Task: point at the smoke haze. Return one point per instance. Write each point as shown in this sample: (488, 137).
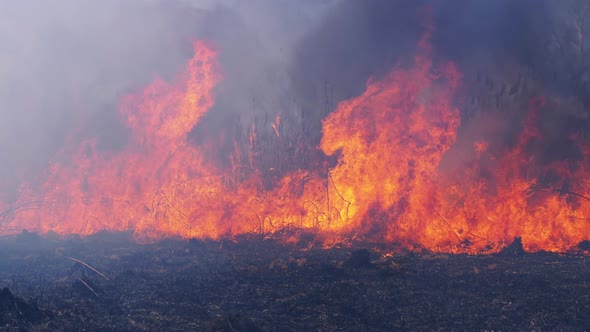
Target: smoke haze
(66, 64)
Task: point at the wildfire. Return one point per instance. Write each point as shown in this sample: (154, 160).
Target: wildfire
(387, 185)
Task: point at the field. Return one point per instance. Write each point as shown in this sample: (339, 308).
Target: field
(108, 282)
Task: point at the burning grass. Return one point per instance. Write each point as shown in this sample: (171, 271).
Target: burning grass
(378, 175)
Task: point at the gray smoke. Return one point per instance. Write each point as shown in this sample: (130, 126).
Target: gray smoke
(65, 64)
(509, 52)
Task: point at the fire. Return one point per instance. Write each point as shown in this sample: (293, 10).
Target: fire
(145, 186)
(392, 139)
(388, 185)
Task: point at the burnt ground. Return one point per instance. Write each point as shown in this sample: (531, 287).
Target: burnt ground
(261, 285)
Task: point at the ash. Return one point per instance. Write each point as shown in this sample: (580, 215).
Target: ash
(109, 282)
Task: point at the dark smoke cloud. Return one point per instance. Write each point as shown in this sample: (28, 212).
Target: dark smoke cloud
(509, 52)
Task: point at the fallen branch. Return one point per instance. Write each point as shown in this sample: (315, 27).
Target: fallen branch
(88, 286)
(88, 266)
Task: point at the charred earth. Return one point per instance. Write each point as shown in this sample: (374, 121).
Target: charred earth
(107, 282)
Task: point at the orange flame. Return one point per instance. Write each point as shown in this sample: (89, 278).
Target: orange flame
(386, 187)
(144, 186)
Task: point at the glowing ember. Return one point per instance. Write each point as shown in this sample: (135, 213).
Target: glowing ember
(387, 185)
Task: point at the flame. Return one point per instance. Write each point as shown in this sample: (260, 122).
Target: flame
(145, 186)
(388, 185)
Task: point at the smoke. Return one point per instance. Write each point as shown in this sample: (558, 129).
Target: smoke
(508, 51)
(257, 41)
(65, 65)
(67, 62)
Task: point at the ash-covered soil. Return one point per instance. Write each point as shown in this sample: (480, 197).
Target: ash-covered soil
(108, 282)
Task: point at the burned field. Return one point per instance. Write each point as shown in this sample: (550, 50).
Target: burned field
(106, 282)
